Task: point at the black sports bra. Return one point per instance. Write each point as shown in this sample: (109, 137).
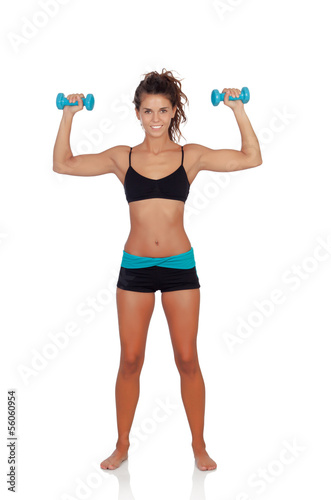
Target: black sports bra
(174, 186)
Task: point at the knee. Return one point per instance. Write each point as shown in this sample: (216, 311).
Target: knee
(187, 364)
(130, 365)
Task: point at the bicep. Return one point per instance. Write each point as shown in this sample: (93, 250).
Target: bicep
(225, 160)
(88, 164)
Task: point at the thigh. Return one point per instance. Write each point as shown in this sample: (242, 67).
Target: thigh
(134, 314)
(182, 308)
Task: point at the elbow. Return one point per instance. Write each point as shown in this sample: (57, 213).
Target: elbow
(259, 159)
(57, 167)
(257, 162)
(253, 160)
(62, 167)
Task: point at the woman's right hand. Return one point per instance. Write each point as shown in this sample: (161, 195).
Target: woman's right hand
(73, 109)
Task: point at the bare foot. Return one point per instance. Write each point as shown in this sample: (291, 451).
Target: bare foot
(203, 460)
(116, 458)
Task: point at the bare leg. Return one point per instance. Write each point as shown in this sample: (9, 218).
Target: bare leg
(134, 313)
(181, 308)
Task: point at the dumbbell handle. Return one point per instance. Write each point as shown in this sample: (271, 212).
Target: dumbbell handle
(217, 97)
(67, 103)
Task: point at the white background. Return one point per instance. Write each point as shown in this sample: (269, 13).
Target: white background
(61, 242)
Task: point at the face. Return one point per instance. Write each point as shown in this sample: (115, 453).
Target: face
(155, 114)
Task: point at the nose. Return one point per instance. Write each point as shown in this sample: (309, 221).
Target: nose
(155, 118)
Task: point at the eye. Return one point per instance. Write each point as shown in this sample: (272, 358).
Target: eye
(147, 111)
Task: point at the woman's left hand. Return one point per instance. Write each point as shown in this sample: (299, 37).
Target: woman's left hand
(233, 93)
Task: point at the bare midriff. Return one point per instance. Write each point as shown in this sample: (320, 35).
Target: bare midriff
(157, 228)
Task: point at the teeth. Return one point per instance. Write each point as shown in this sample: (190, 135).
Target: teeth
(159, 126)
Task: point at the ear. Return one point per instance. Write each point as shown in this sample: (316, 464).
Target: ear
(137, 114)
(174, 109)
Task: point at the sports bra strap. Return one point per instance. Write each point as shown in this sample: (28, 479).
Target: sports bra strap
(182, 156)
(130, 157)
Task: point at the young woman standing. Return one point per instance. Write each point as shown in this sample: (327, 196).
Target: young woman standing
(157, 175)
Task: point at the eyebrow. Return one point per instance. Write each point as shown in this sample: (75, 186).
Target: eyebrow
(164, 107)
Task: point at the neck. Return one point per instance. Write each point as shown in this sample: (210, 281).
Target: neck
(155, 145)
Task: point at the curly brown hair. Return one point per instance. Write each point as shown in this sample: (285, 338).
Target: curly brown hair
(166, 84)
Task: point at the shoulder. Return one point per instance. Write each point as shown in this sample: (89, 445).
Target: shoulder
(119, 156)
(193, 154)
(192, 147)
(118, 151)
(194, 150)
(192, 163)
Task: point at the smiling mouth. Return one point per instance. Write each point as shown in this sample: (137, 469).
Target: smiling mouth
(156, 127)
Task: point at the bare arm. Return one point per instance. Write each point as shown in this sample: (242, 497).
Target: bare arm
(89, 164)
(227, 160)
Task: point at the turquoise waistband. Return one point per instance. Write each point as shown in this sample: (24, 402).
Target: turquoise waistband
(180, 261)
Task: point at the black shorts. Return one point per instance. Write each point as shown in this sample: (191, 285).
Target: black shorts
(153, 278)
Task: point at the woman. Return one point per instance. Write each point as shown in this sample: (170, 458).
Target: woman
(157, 254)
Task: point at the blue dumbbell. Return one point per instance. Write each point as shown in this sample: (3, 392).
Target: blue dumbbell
(216, 97)
(62, 101)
